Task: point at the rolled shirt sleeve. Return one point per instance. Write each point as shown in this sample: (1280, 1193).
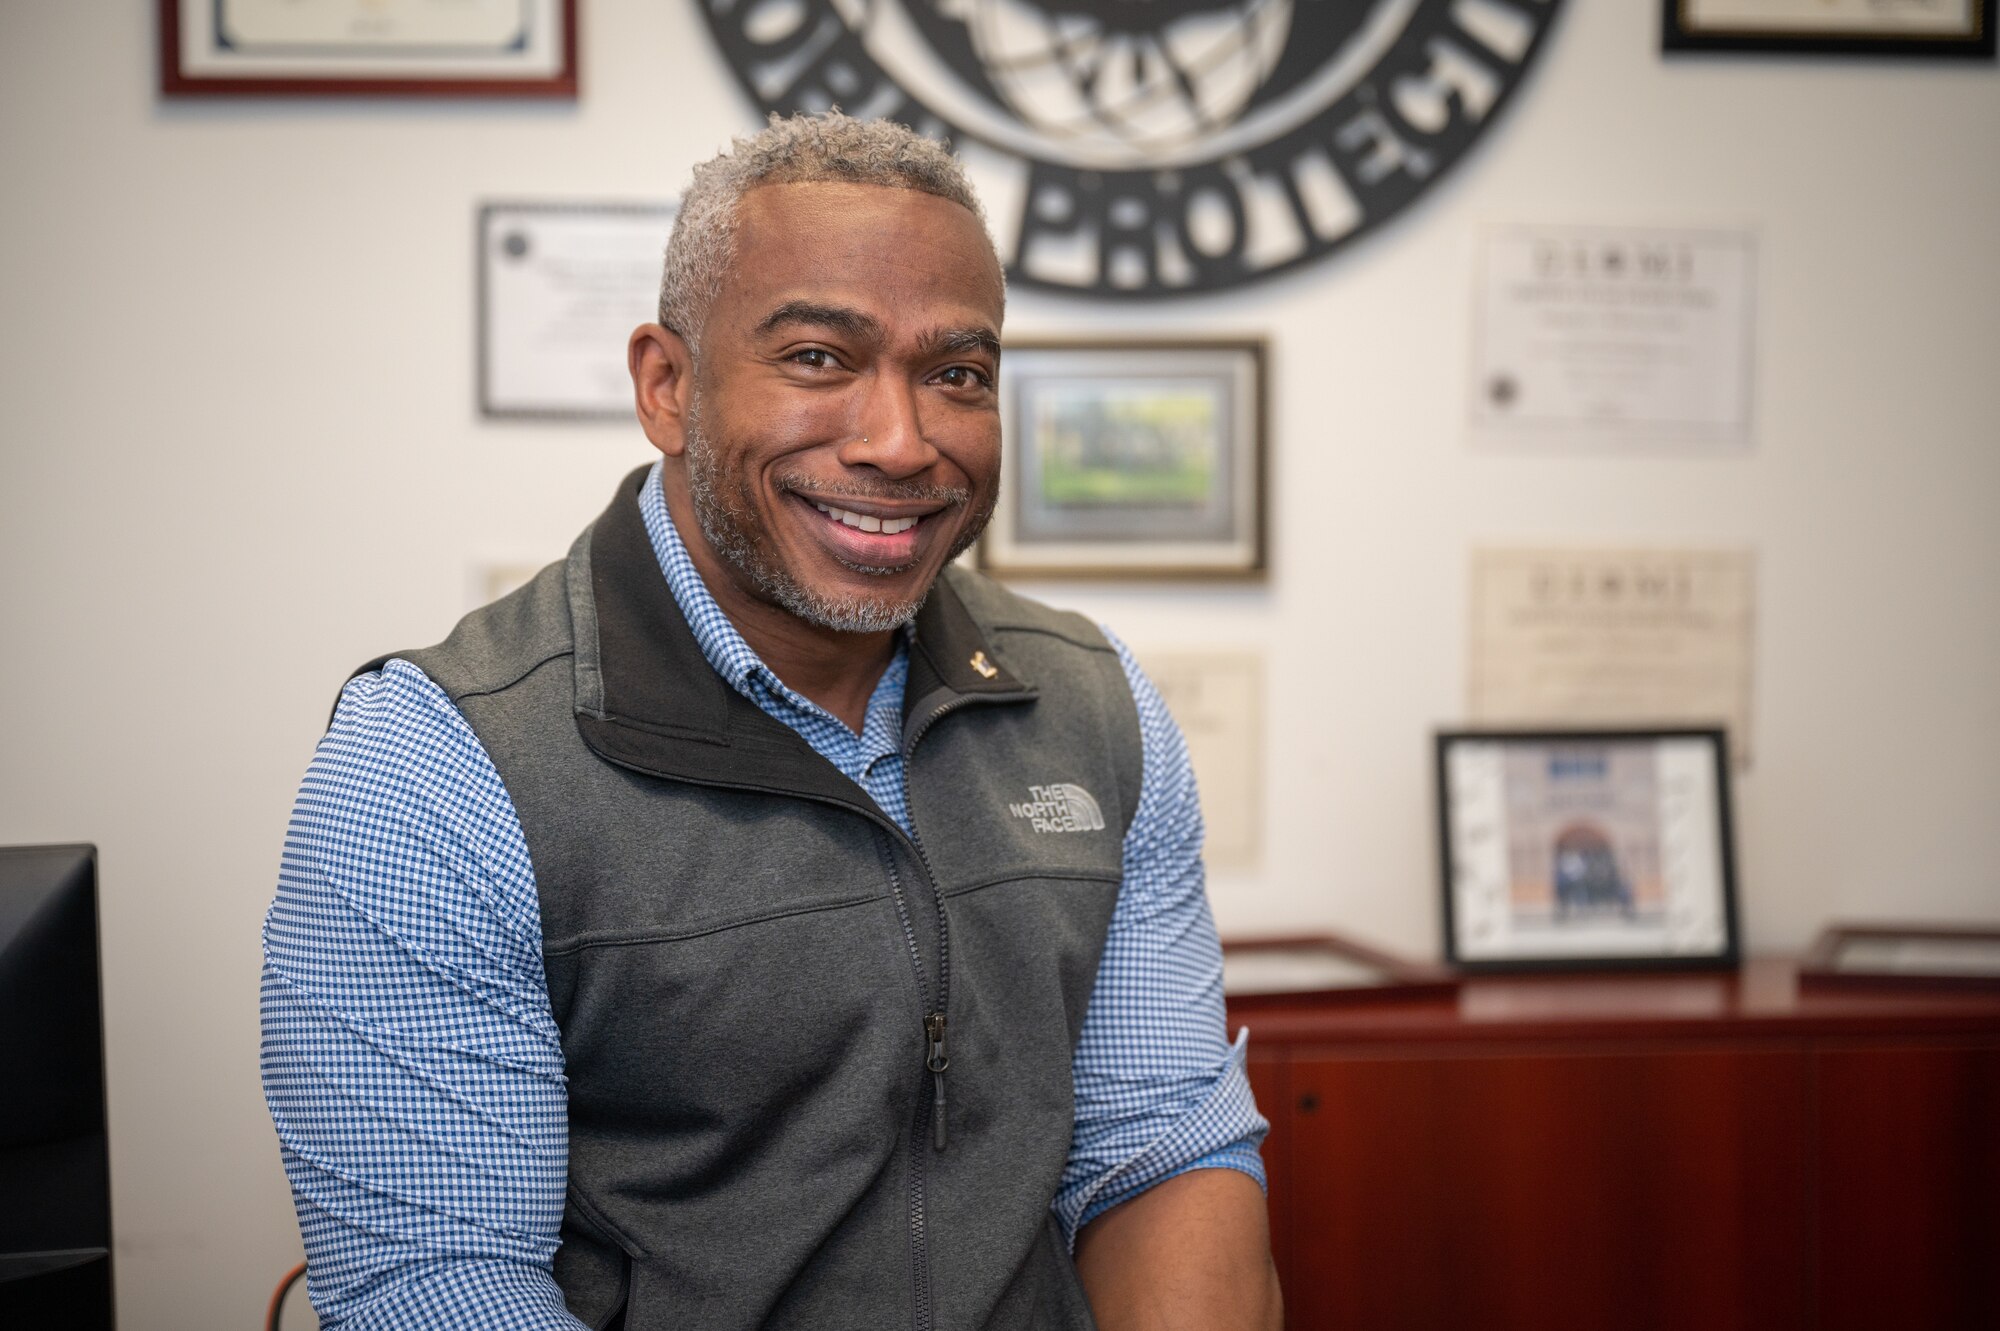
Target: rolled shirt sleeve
(1159, 1088)
(411, 1063)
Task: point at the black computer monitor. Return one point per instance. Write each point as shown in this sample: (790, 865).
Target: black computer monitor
(55, 1181)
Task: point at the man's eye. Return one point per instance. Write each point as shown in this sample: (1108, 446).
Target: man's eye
(814, 358)
(963, 376)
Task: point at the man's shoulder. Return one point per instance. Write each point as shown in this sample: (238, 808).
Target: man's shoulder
(999, 611)
(502, 642)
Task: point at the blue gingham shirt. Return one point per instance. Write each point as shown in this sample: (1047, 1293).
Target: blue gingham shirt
(415, 1073)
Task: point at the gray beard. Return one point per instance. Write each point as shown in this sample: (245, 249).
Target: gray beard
(728, 521)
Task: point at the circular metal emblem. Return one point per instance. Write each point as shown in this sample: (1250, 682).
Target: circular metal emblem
(1154, 147)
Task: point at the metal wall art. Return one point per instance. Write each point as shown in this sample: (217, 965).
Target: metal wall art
(1167, 147)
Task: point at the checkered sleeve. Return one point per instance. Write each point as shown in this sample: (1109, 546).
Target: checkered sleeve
(410, 1060)
(1159, 1088)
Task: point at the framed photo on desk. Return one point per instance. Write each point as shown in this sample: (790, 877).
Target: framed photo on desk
(1586, 850)
(399, 48)
(1914, 957)
(1324, 968)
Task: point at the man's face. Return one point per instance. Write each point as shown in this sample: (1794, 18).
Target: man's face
(843, 436)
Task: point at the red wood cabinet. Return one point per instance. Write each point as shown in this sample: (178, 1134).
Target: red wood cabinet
(1635, 1152)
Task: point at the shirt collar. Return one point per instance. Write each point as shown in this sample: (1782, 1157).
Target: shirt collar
(726, 651)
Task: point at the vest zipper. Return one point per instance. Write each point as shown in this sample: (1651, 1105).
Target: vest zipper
(935, 1061)
(934, 1023)
(920, 1256)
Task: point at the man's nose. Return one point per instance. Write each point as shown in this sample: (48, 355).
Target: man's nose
(889, 432)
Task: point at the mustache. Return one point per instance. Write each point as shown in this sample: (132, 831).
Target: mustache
(891, 491)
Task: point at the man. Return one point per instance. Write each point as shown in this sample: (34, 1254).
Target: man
(750, 923)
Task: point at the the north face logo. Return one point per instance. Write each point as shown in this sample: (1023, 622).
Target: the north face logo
(1060, 808)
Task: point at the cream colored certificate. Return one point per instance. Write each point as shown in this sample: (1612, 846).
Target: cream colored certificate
(1931, 18)
(1613, 339)
(492, 25)
(561, 287)
(1612, 637)
(1217, 698)
(447, 41)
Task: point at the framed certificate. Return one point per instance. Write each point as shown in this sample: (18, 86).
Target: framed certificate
(1620, 340)
(561, 287)
(1630, 636)
(1833, 27)
(1572, 850)
(436, 48)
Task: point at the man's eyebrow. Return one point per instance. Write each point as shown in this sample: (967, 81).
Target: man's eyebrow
(960, 342)
(838, 318)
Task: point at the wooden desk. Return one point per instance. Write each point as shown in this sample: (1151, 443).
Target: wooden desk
(1611, 1154)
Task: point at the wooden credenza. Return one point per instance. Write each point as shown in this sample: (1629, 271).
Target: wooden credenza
(1613, 1154)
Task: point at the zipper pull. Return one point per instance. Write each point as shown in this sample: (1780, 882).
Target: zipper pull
(937, 1063)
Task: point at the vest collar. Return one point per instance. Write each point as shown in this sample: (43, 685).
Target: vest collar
(646, 697)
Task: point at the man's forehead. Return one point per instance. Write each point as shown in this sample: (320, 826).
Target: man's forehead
(802, 248)
(781, 196)
(808, 210)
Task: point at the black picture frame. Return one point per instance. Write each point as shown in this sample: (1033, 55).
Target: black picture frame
(1641, 870)
(1683, 32)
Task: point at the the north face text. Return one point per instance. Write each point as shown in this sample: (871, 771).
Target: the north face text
(1060, 808)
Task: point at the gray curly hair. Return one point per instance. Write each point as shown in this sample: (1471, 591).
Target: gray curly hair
(790, 150)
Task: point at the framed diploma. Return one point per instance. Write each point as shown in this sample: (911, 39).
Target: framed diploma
(437, 48)
(1833, 27)
(561, 287)
(1613, 339)
(1613, 637)
(1572, 850)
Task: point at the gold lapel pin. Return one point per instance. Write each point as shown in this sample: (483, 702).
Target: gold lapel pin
(979, 663)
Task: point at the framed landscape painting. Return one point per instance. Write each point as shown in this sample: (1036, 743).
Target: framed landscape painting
(1130, 460)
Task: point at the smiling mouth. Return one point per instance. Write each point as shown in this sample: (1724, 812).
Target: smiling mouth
(868, 522)
(877, 544)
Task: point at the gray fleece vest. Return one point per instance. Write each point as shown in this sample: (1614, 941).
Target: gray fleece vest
(748, 960)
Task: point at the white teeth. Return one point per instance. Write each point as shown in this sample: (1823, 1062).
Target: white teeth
(867, 521)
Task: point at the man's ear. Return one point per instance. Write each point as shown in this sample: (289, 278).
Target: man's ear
(662, 384)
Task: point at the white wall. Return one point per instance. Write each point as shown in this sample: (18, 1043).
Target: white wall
(240, 456)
